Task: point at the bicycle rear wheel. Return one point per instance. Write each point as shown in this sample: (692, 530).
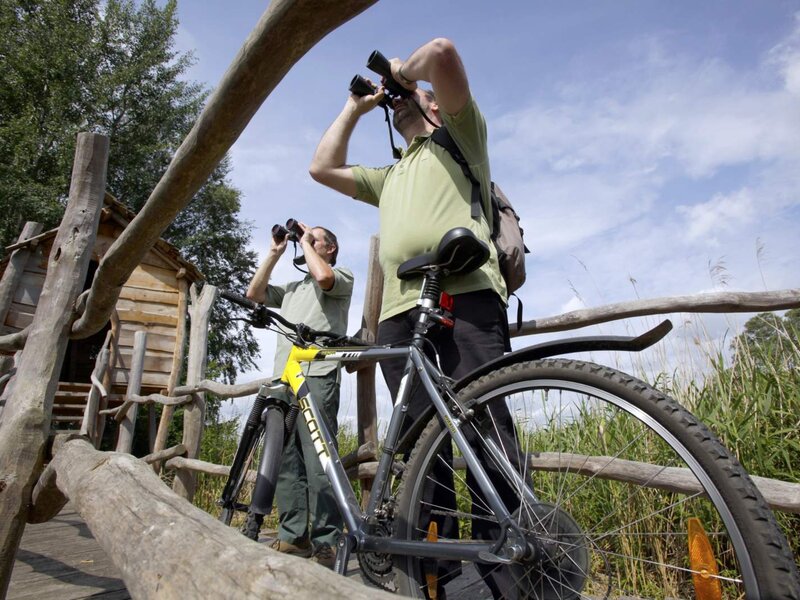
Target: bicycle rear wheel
(626, 481)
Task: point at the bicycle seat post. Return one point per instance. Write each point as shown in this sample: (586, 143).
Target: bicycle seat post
(428, 301)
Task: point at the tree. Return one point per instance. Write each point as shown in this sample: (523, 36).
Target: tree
(71, 65)
(771, 341)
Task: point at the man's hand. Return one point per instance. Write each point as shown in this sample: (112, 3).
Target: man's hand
(278, 247)
(361, 105)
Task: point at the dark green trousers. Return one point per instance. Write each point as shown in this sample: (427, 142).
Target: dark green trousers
(306, 505)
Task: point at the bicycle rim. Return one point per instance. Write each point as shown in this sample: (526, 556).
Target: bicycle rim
(621, 474)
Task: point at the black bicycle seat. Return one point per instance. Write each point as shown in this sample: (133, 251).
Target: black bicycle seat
(460, 252)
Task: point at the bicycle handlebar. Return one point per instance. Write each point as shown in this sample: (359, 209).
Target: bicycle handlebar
(265, 316)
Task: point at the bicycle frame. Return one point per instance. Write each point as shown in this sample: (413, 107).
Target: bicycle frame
(357, 521)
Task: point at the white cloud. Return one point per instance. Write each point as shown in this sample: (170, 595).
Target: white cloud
(722, 212)
(786, 56)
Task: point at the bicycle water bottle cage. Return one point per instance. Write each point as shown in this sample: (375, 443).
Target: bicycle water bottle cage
(459, 252)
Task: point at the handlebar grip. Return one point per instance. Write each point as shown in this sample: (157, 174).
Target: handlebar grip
(239, 299)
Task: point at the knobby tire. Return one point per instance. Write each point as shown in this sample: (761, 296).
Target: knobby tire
(604, 538)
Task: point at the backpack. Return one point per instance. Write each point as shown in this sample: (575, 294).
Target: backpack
(506, 232)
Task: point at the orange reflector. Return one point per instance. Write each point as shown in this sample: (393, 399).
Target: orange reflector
(432, 579)
(703, 563)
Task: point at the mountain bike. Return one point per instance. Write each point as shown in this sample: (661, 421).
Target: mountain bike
(609, 489)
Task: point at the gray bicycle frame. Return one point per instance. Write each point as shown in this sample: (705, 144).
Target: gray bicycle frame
(417, 366)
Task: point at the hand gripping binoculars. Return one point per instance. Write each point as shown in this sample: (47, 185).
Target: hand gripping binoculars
(292, 231)
(378, 63)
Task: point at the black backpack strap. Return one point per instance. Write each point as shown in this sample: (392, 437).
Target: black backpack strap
(442, 137)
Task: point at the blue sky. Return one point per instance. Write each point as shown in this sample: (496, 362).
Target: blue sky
(642, 142)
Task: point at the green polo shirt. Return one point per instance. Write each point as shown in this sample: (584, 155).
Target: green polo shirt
(422, 197)
(305, 302)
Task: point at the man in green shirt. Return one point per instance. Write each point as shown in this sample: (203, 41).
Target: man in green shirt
(309, 520)
(420, 198)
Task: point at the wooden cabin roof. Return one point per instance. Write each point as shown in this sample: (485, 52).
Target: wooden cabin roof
(115, 210)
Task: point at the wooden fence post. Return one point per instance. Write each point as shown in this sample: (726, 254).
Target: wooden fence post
(365, 378)
(194, 414)
(175, 374)
(126, 426)
(101, 365)
(26, 419)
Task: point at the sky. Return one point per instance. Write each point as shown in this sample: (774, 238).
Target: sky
(651, 148)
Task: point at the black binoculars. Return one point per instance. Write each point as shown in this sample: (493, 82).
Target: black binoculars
(379, 64)
(292, 231)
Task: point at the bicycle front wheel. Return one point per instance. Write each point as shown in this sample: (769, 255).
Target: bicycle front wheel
(632, 496)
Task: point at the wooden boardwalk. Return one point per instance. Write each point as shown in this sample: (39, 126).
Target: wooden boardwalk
(60, 559)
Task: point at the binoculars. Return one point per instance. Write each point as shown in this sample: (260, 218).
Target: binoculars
(292, 231)
(378, 63)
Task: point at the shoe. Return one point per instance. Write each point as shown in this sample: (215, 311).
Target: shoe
(303, 549)
(324, 555)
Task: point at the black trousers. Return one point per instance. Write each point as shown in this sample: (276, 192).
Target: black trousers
(480, 334)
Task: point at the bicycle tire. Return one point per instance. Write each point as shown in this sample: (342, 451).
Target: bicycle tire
(270, 463)
(238, 476)
(604, 537)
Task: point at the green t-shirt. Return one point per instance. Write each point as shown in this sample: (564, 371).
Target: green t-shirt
(422, 197)
(305, 302)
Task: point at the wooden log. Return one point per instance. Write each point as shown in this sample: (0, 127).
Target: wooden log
(780, 495)
(26, 417)
(108, 378)
(195, 413)
(167, 548)
(223, 390)
(16, 267)
(720, 302)
(364, 453)
(128, 410)
(165, 454)
(88, 427)
(14, 341)
(286, 31)
(47, 500)
(177, 369)
(367, 413)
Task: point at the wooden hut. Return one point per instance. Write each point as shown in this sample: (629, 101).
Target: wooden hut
(153, 299)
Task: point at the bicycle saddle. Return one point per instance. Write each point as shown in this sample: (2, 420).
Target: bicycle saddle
(460, 252)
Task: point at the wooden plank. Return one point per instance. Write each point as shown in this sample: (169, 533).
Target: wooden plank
(161, 364)
(150, 328)
(136, 316)
(29, 288)
(142, 295)
(155, 342)
(153, 278)
(19, 316)
(154, 308)
(149, 378)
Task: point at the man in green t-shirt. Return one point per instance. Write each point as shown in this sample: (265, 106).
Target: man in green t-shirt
(309, 519)
(419, 199)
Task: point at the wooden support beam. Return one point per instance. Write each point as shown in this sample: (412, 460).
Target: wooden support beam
(165, 454)
(165, 547)
(367, 417)
(178, 354)
(88, 427)
(26, 418)
(195, 413)
(285, 32)
(720, 302)
(127, 417)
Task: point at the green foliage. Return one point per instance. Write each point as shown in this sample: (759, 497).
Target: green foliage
(75, 65)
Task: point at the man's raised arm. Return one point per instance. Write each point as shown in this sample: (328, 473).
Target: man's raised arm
(329, 165)
(437, 62)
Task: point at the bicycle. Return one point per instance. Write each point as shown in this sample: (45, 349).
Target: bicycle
(616, 490)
